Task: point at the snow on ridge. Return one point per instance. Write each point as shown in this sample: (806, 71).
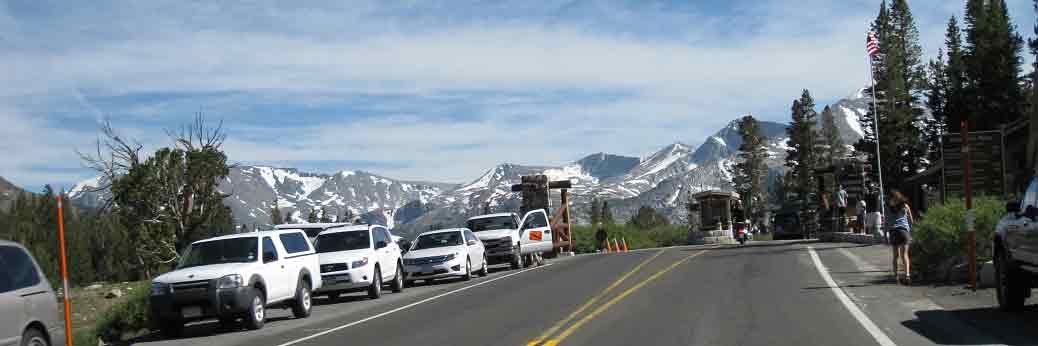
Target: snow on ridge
(84, 185)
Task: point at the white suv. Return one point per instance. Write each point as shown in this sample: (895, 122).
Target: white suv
(358, 258)
(237, 276)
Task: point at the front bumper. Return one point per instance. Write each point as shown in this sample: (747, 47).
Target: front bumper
(201, 302)
(452, 268)
(347, 279)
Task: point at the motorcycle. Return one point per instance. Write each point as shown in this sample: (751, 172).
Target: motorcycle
(741, 233)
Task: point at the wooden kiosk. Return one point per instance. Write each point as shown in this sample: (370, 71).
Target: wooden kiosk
(715, 217)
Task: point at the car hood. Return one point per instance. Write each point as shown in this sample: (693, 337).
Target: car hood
(439, 251)
(344, 256)
(494, 234)
(208, 272)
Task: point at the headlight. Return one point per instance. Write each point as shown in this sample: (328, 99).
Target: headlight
(159, 288)
(229, 281)
(451, 256)
(357, 264)
(408, 261)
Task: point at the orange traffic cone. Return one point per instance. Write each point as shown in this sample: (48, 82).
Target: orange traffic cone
(616, 245)
(625, 243)
(609, 247)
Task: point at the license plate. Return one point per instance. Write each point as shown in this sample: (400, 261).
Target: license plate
(191, 311)
(341, 278)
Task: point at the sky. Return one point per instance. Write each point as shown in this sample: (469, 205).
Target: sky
(420, 90)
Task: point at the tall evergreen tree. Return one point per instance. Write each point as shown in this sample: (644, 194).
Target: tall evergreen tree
(346, 215)
(325, 217)
(800, 157)
(312, 216)
(993, 65)
(900, 80)
(647, 218)
(275, 214)
(607, 215)
(752, 171)
(596, 212)
(833, 144)
(956, 100)
(937, 101)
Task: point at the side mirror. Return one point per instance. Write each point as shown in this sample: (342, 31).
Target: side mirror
(269, 257)
(472, 242)
(1013, 207)
(381, 244)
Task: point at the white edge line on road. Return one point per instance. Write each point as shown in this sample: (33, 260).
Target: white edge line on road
(864, 320)
(408, 306)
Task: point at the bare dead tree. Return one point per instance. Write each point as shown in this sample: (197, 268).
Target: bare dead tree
(113, 156)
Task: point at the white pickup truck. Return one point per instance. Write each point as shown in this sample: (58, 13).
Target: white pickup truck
(509, 239)
(237, 276)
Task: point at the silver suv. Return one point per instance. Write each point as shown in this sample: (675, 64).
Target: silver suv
(29, 312)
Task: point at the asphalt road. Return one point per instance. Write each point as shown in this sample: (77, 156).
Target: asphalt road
(769, 294)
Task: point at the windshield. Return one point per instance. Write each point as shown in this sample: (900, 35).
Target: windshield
(234, 250)
(492, 223)
(429, 241)
(343, 241)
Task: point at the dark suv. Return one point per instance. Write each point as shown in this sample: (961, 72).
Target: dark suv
(1016, 250)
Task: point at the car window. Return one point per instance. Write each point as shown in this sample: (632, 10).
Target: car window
(469, 236)
(385, 234)
(295, 242)
(269, 250)
(434, 240)
(343, 241)
(18, 271)
(233, 250)
(379, 236)
(1031, 196)
(536, 220)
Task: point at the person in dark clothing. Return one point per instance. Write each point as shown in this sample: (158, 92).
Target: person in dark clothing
(600, 236)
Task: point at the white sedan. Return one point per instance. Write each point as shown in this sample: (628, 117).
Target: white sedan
(445, 253)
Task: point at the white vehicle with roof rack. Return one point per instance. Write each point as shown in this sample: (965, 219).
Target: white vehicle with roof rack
(359, 258)
(237, 276)
(445, 253)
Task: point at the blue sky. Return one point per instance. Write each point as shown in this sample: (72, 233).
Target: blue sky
(420, 90)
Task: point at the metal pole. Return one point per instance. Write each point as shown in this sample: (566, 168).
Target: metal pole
(879, 163)
(971, 234)
(66, 294)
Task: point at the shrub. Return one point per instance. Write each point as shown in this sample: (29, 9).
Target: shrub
(939, 236)
(127, 318)
(636, 238)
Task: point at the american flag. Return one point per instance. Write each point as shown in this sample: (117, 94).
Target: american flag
(872, 46)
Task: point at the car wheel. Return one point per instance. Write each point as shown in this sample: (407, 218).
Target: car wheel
(375, 291)
(485, 271)
(539, 258)
(171, 329)
(517, 258)
(468, 270)
(398, 280)
(1011, 289)
(527, 261)
(34, 337)
(257, 314)
(303, 302)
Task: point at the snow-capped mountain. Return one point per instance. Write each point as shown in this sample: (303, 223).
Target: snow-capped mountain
(253, 190)
(847, 111)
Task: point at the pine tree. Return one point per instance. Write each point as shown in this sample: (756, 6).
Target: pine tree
(956, 99)
(900, 79)
(937, 101)
(346, 216)
(596, 212)
(801, 157)
(647, 218)
(993, 65)
(607, 215)
(312, 216)
(834, 147)
(325, 217)
(752, 171)
(275, 214)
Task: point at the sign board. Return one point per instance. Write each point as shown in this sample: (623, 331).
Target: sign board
(987, 168)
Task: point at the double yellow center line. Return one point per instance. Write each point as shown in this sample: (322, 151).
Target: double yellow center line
(543, 339)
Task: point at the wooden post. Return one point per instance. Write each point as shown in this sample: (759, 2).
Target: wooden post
(567, 221)
(971, 234)
(66, 294)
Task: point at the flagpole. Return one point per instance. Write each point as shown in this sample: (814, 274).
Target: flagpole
(875, 124)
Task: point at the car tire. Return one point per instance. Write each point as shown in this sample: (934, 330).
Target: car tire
(517, 258)
(34, 337)
(527, 261)
(375, 290)
(1010, 286)
(257, 314)
(539, 259)
(303, 303)
(468, 270)
(171, 329)
(484, 271)
(398, 280)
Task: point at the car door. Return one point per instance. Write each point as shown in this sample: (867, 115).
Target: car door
(476, 249)
(381, 241)
(12, 312)
(274, 271)
(392, 251)
(1023, 233)
(535, 232)
(24, 294)
(297, 252)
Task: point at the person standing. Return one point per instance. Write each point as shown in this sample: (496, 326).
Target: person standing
(841, 207)
(901, 234)
(861, 215)
(600, 237)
